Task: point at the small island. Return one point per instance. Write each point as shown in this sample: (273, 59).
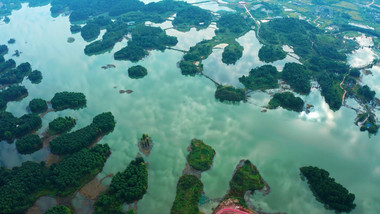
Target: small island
(61, 125)
(271, 53)
(201, 155)
(12, 93)
(229, 94)
(90, 31)
(68, 100)
(16, 75)
(3, 50)
(38, 106)
(11, 41)
(75, 28)
(286, 100)
(261, 78)
(35, 77)
(28, 144)
(327, 191)
(12, 127)
(137, 72)
(127, 186)
(145, 144)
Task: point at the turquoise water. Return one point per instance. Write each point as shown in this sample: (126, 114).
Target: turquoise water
(173, 109)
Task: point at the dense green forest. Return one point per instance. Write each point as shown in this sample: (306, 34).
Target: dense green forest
(6, 65)
(3, 50)
(189, 189)
(201, 155)
(12, 127)
(321, 53)
(246, 178)
(59, 209)
(65, 100)
(35, 76)
(137, 72)
(229, 93)
(28, 144)
(261, 78)
(286, 100)
(16, 75)
(21, 186)
(189, 68)
(127, 186)
(232, 53)
(38, 105)
(332, 194)
(68, 143)
(192, 17)
(365, 94)
(145, 38)
(297, 77)
(12, 93)
(271, 53)
(61, 125)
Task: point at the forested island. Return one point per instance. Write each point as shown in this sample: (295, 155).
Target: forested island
(201, 155)
(332, 194)
(127, 186)
(38, 105)
(65, 100)
(61, 125)
(192, 17)
(188, 194)
(230, 94)
(12, 127)
(137, 72)
(286, 100)
(261, 78)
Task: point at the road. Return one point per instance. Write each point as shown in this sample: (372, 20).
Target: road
(257, 22)
(373, 2)
(341, 86)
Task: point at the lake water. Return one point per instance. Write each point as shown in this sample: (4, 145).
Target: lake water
(174, 108)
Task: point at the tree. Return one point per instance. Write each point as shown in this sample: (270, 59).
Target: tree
(38, 106)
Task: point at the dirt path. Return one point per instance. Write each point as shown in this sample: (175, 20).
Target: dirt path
(341, 86)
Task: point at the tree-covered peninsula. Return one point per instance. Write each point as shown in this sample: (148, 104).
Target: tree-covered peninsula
(192, 17)
(189, 189)
(327, 191)
(21, 186)
(12, 93)
(12, 127)
(28, 144)
(271, 53)
(68, 143)
(127, 186)
(61, 125)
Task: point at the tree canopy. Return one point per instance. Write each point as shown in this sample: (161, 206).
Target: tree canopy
(286, 100)
(65, 100)
(201, 155)
(264, 77)
(188, 194)
(137, 72)
(28, 144)
(327, 190)
(38, 106)
(229, 93)
(297, 77)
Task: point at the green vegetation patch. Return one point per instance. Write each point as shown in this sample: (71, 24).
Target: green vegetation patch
(137, 72)
(61, 125)
(192, 16)
(286, 100)
(60, 209)
(126, 187)
(38, 105)
(65, 100)
(229, 93)
(365, 94)
(12, 127)
(261, 78)
(297, 77)
(35, 76)
(16, 75)
(12, 93)
(3, 50)
(246, 178)
(201, 155)
(332, 194)
(6, 65)
(28, 144)
(145, 38)
(271, 53)
(232, 53)
(90, 31)
(189, 189)
(189, 68)
(102, 124)
(21, 186)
